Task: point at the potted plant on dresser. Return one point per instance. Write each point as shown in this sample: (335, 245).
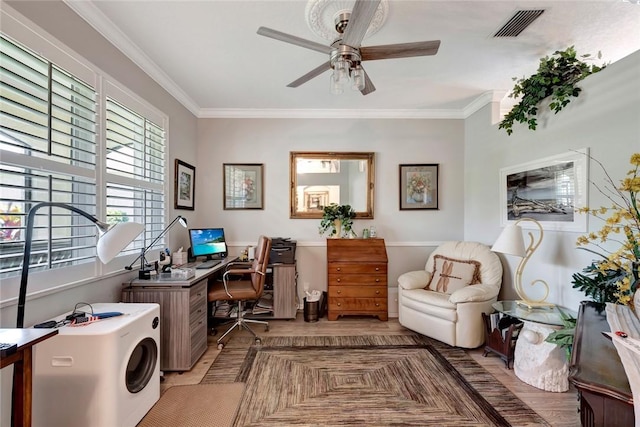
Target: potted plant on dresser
(337, 219)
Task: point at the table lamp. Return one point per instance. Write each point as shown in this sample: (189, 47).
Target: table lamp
(144, 272)
(511, 242)
(112, 239)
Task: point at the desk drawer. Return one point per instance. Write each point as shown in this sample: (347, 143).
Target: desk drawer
(358, 291)
(357, 268)
(198, 296)
(357, 304)
(337, 279)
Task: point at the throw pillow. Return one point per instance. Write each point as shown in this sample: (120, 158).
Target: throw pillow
(450, 274)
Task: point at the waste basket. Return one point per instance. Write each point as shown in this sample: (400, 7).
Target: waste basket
(311, 310)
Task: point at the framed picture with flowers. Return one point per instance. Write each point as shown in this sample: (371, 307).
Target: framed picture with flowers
(418, 186)
(243, 186)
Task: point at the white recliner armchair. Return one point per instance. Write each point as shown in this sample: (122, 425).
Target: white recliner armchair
(445, 301)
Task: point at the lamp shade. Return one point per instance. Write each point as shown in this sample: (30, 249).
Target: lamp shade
(510, 241)
(116, 239)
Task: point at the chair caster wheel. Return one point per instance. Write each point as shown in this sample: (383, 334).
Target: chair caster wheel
(258, 341)
(220, 346)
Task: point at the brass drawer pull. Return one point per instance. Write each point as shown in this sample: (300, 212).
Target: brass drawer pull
(377, 304)
(338, 280)
(377, 280)
(338, 269)
(339, 304)
(377, 292)
(377, 268)
(339, 292)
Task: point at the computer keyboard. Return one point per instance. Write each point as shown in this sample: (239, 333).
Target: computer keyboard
(208, 264)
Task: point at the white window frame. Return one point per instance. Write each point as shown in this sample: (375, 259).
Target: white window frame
(30, 35)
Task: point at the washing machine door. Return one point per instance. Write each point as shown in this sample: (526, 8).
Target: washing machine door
(141, 365)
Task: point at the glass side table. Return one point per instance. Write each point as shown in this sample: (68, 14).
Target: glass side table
(537, 362)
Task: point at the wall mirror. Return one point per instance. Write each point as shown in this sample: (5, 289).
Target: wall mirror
(320, 178)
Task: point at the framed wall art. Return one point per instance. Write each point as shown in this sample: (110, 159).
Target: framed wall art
(185, 186)
(243, 186)
(418, 186)
(548, 190)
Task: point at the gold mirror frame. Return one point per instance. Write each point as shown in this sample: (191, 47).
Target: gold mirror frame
(319, 199)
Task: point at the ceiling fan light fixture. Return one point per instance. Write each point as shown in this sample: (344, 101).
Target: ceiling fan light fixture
(342, 69)
(357, 78)
(336, 85)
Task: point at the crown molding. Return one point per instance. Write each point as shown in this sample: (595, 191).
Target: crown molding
(311, 113)
(485, 98)
(94, 17)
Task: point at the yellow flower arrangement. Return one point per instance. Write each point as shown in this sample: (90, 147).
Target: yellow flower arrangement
(618, 269)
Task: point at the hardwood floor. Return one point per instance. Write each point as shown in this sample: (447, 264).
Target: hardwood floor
(559, 409)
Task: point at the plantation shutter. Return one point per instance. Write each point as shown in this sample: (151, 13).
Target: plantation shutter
(48, 125)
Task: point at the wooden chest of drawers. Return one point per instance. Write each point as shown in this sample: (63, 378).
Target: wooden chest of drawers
(357, 278)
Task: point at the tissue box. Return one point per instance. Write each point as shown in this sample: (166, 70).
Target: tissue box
(179, 258)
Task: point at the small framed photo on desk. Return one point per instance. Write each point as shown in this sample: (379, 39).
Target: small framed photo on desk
(243, 186)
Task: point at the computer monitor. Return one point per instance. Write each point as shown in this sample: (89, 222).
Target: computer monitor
(208, 242)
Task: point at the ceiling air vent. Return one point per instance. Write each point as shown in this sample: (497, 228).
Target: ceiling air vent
(521, 20)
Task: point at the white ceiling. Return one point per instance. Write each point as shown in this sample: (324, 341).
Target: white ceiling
(207, 53)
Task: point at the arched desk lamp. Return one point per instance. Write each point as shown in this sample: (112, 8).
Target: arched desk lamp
(111, 240)
(144, 273)
(511, 242)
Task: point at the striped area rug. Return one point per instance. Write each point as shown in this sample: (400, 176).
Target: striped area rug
(389, 380)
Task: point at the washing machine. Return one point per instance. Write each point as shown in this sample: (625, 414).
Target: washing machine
(103, 374)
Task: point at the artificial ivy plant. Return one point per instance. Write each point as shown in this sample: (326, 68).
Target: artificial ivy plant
(556, 77)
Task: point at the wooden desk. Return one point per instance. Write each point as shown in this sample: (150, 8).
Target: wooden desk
(183, 314)
(22, 369)
(597, 372)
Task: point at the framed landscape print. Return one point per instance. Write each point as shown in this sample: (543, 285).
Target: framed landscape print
(185, 186)
(548, 190)
(418, 186)
(243, 186)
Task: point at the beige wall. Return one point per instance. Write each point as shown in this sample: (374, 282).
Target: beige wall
(407, 234)
(605, 118)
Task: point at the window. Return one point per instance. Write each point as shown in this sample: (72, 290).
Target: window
(53, 149)
(134, 171)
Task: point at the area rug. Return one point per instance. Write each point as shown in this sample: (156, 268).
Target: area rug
(195, 406)
(389, 380)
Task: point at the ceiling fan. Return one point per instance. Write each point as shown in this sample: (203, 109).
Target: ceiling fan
(346, 54)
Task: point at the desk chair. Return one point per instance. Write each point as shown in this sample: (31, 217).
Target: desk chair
(248, 287)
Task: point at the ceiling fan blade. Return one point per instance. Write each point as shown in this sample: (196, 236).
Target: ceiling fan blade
(311, 74)
(400, 50)
(359, 21)
(298, 41)
(368, 84)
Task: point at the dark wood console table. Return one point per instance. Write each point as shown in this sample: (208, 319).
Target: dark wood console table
(597, 372)
(21, 360)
